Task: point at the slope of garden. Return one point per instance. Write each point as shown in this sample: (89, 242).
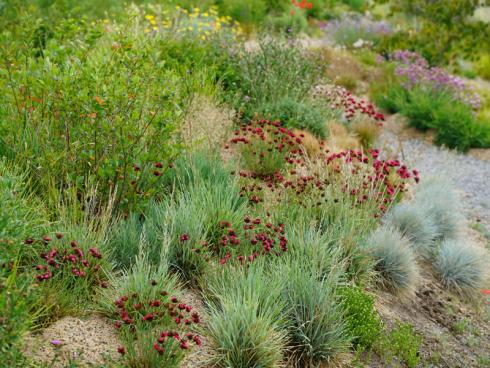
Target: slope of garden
(244, 184)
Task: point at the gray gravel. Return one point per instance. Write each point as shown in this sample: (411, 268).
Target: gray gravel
(469, 175)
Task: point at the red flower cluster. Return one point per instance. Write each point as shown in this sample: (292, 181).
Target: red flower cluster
(303, 4)
(72, 259)
(341, 98)
(259, 238)
(385, 177)
(267, 147)
(133, 309)
(168, 338)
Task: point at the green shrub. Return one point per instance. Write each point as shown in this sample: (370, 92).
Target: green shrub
(403, 343)
(245, 322)
(104, 129)
(250, 12)
(483, 66)
(363, 323)
(274, 70)
(297, 115)
(315, 318)
(462, 266)
(394, 259)
(445, 31)
(294, 23)
(453, 121)
(415, 225)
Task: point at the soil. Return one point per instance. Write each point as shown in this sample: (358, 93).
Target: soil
(456, 333)
(89, 342)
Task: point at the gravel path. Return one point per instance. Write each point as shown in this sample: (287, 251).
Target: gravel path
(469, 175)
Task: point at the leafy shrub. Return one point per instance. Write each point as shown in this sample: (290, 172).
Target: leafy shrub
(297, 115)
(245, 322)
(461, 266)
(394, 259)
(453, 121)
(415, 225)
(274, 70)
(363, 323)
(445, 31)
(483, 66)
(315, 318)
(439, 203)
(293, 22)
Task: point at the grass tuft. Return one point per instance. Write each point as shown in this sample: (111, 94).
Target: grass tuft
(414, 224)
(461, 266)
(395, 260)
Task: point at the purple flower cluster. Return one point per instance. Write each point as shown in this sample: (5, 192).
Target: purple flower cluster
(417, 72)
(348, 30)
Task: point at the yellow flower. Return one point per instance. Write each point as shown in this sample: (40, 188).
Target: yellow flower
(150, 17)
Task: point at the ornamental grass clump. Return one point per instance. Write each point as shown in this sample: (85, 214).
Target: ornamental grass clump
(416, 225)
(437, 201)
(246, 318)
(462, 266)
(395, 260)
(315, 318)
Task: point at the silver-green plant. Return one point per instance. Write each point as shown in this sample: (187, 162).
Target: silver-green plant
(462, 266)
(246, 317)
(416, 226)
(315, 315)
(395, 260)
(438, 201)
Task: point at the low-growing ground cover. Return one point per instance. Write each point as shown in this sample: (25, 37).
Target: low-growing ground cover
(211, 198)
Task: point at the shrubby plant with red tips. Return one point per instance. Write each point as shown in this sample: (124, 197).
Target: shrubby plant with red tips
(267, 148)
(352, 107)
(63, 262)
(155, 324)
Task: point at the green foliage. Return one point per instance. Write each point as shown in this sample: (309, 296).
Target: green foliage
(453, 121)
(142, 284)
(21, 304)
(245, 317)
(462, 266)
(206, 194)
(315, 318)
(444, 31)
(483, 66)
(292, 23)
(297, 115)
(277, 69)
(403, 343)
(395, 260)
(363, 323)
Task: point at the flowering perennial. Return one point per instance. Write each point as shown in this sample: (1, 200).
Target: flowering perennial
(73, 260)
(340, 98)
(417, 72)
